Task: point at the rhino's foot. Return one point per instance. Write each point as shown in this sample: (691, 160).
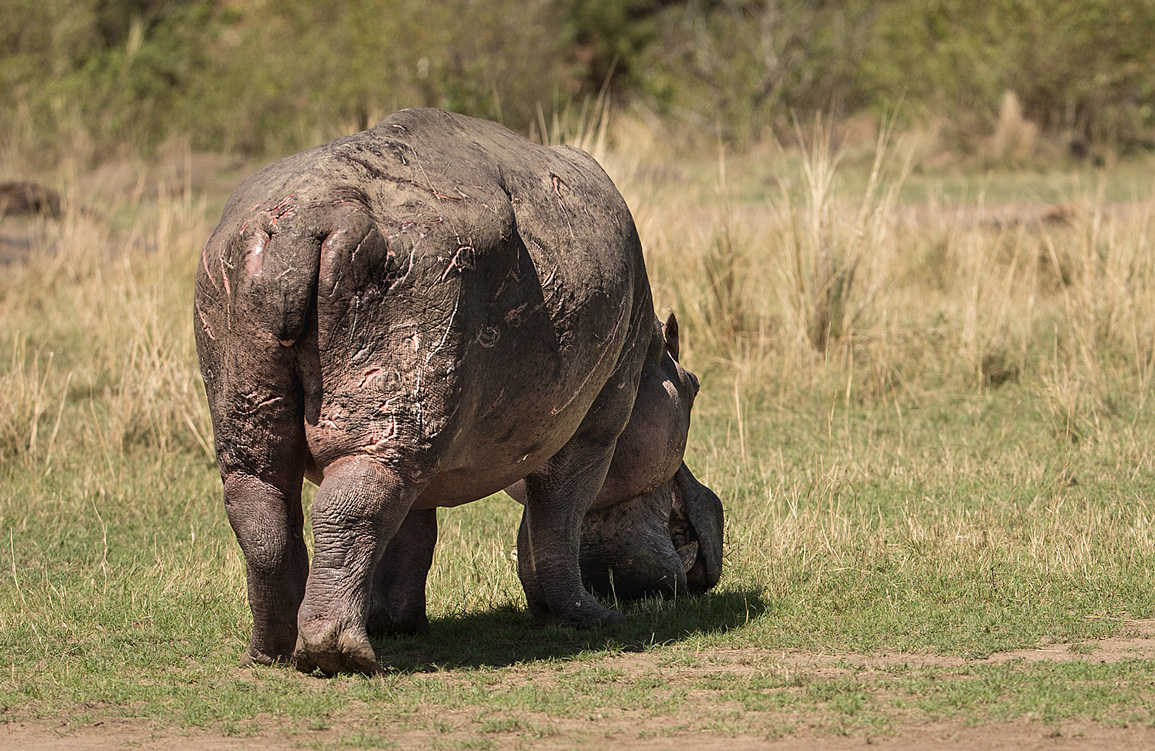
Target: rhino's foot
(271, 645)
(587, 614)
(333, 649)
(252, 657)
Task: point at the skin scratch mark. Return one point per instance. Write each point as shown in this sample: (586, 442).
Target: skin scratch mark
(378, 439)
(225, 276)
(462, 259)
(356, 250)
(557, 183)
(408, 270)
(353, 325)
(252, 406)
(286, 209)
(514, 275)
(204, 322)
(398, 180)
(418, 407)
(605, 349)
(205, 265)
(514, 316)
(329, 419)
(445, 336)
(488, 336)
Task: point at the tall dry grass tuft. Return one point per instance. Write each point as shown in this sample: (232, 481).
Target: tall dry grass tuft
(100, 356)
(779, 288)
(32, 407)
(586, 126)
(836, 248)
(793, 267)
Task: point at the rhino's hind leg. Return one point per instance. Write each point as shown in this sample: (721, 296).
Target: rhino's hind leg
(397, 605)
(266, 517)
(262, 453)
(358, 508)
(548, 542)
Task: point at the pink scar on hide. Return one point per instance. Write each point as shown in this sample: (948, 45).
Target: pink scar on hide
(488, 336)
(254, 257)
(369, 374)
(283, 210)
(378, 438)
(462, 259)
(205, 265)
(204, 322)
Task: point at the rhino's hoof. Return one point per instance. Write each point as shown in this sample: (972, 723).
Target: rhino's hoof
(333, 650)
(586, 618)
(252, 657)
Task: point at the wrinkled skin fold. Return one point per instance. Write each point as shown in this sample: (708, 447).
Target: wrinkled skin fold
(666, 543)
(416, 317)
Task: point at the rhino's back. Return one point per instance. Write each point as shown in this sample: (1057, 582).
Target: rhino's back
(499, 287)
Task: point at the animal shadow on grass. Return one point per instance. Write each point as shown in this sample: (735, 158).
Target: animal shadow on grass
(506, 636)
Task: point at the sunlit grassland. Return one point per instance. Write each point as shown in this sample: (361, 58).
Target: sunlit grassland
(931, 432)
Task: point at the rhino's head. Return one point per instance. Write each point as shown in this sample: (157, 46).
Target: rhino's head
(654, 529)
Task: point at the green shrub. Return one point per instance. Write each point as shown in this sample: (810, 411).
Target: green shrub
(274, 77)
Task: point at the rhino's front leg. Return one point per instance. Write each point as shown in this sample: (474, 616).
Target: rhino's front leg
(358, 508)
(398, 600)
(549, 540)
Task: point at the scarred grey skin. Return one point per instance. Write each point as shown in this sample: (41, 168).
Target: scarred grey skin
(421, 315)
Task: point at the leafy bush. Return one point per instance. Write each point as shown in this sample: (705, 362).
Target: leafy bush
(272, 77)
(1085, 68)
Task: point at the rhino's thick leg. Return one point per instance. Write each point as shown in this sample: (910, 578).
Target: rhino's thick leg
(397, 605)
(265, 513)
(548, 542)
(261, 451)
(358, 508)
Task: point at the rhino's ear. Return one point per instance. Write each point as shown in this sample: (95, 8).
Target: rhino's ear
(670, 332)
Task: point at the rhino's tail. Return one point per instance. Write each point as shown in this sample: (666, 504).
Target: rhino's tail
(288, 285)
(274, 260)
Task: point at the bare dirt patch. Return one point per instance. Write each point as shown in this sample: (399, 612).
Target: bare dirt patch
(1136, 642)
(1019, 736)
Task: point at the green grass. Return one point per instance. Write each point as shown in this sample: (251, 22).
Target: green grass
(125, 595)
(883, 497)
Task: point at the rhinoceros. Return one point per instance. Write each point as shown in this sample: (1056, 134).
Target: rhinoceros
(419, 316)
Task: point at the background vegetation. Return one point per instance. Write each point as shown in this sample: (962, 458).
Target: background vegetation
(93, 75)
(926, 395)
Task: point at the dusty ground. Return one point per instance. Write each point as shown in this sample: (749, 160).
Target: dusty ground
(625, 730)
(1020, 736)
